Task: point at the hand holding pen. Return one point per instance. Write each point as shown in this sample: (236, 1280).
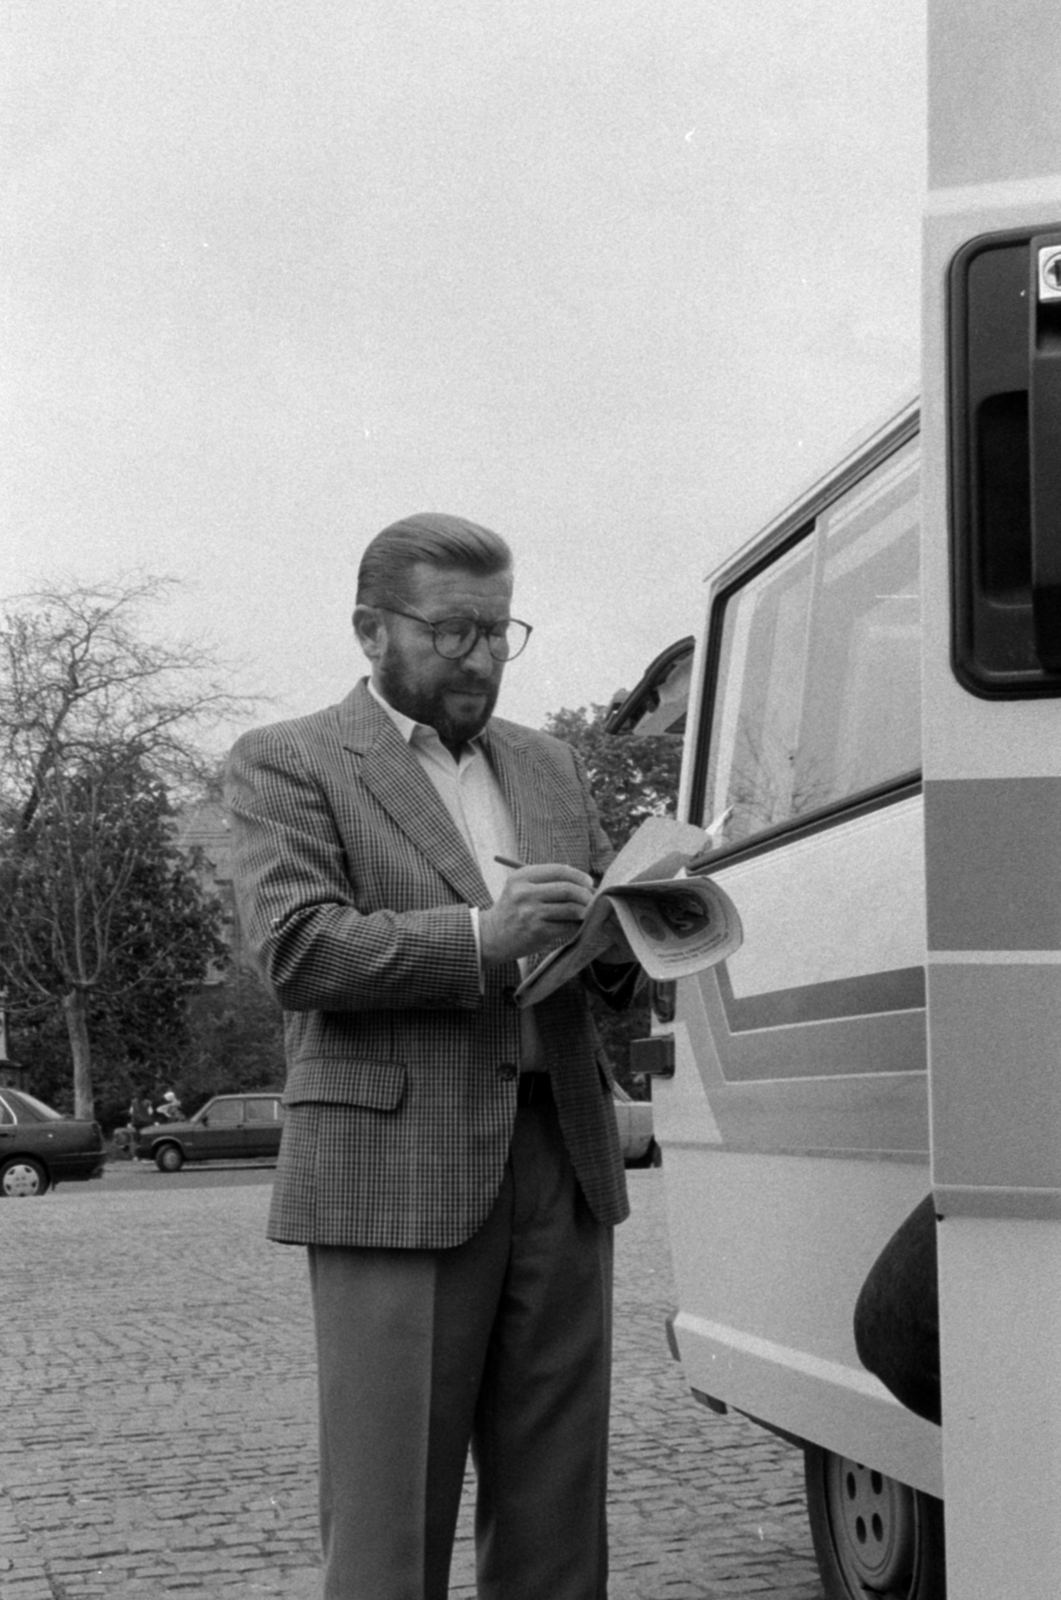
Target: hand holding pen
(540, 906)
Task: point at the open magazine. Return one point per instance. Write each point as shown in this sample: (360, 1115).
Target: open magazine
(674, 924)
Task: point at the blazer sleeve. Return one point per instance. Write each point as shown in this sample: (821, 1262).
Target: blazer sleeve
(297, 900)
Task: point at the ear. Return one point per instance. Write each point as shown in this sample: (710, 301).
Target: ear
(370, 630)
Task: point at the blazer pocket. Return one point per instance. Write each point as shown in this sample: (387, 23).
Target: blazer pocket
(379, 1085)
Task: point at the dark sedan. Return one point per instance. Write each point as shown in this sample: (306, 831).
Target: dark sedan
(230, 1127)
(40, 1148)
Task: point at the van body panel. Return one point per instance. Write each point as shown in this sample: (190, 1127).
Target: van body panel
(873, 1114)
(770, 1252)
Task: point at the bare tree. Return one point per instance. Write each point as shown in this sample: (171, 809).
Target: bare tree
(94, 713)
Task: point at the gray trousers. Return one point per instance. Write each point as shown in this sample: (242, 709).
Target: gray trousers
(503, 1343)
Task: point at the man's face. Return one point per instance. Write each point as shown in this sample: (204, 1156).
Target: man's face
(456, 698)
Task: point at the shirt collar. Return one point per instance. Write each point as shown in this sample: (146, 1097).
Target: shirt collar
(406, 726)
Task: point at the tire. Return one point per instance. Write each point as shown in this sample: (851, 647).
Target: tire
(22, 1177)
(169, 1158)
(872, 1535)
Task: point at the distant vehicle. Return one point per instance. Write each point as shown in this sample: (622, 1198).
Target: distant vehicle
(230, 1127)
(634, 1121)
(39, 1147)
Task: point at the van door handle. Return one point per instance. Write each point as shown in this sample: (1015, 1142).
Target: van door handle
(1044, 405)
(1004, 401)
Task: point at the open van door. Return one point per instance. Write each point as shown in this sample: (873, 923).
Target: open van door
(991, 448)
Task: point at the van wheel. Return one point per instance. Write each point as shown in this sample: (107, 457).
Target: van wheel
(872, 1535)
(169, 1158)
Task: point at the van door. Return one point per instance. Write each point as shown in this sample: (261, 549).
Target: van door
(797, 1120)
(992, 752)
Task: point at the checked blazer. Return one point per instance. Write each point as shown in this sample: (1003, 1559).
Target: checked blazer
(352, 886)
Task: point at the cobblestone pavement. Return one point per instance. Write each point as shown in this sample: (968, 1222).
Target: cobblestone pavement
(157, 1390)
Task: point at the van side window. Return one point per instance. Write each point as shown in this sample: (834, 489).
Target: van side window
(818, 689)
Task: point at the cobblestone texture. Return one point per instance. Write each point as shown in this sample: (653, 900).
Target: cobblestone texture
(159, 1435)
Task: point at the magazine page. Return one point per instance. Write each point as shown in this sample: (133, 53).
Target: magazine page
(597, 933)
(678, 927)
(699, 927)
(659, 849)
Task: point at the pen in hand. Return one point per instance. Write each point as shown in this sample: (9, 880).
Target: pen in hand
(508, 861)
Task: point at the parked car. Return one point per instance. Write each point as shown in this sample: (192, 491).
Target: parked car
(230, 1127)
(634, 1121)
(40, 1147)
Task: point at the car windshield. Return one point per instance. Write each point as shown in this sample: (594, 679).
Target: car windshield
(29, 1109)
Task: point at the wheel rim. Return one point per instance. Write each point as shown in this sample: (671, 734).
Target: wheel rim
(21, 1180)
(874, 1523)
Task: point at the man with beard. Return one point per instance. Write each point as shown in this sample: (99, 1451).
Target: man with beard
(451, 1161)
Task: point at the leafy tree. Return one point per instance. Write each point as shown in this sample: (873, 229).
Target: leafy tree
(97, 722)
(236, 1041)
(632, 777)
(106, 918)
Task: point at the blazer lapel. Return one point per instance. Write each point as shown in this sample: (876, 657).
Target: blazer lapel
(388, 767)
(520, 778)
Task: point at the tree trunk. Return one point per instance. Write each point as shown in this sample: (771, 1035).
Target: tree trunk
(80, 1051)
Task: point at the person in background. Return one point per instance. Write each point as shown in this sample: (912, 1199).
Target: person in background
(169, 1107)
(140, 1112)
(451, 1161)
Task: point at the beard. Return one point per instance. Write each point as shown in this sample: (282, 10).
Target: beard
(428, 704)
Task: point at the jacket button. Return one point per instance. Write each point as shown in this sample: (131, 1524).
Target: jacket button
(507, 1071)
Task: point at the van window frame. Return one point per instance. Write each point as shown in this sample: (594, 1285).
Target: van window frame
(800, 524)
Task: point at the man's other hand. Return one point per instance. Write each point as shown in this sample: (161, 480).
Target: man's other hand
(539, 907)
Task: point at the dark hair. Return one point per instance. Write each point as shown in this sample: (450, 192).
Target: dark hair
(432, 536)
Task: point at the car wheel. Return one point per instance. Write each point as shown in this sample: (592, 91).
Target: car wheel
(872, 1535)
(169, 1158)
(22, 1176)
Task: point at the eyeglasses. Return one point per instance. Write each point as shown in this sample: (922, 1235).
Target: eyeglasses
(456, 637)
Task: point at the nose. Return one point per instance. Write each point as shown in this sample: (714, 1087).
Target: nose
(479, 658)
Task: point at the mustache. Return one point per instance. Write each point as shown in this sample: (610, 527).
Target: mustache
(471, 680)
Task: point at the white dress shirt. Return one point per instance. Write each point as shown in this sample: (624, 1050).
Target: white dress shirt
(471, 794)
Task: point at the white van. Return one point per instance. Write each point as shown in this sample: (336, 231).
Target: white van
(873, 735)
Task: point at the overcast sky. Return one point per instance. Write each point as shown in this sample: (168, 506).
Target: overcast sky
(613, 278)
